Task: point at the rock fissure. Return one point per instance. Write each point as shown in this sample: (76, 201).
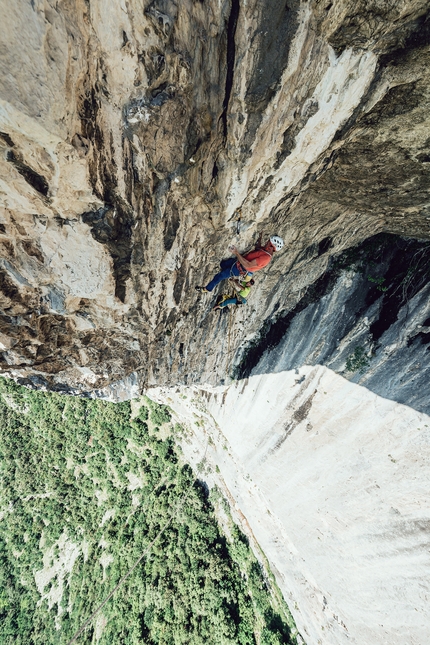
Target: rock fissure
(230, 60)
(36, 181)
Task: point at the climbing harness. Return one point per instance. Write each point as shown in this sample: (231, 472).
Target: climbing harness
(242, 271)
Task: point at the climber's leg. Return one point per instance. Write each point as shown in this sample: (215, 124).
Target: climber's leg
(228, 263)
(225, 300)
(219, 277)
(227, 272)
(228, 301)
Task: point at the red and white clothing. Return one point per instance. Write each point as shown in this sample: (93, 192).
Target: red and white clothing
(261, 256)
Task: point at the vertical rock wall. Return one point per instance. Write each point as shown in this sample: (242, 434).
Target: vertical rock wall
(140, 138)
(131, 132)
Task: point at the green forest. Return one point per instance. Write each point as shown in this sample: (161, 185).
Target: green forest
(87, 488)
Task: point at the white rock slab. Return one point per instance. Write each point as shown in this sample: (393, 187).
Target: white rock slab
(333, 481)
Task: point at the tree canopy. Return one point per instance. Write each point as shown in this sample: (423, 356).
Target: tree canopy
(85, 490)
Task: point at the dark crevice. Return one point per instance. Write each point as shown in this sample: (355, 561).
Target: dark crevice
(422, 337)
(287, 146)
(400, 99)
(231, 55)
(195, 136)
(6, 138)
(171, 229)
(36, 181)
(112, 224)
(404, 37)
(408, 272)
(154, 62)
(278, 22)
(324, 246)
(291, 133)
(313, 250)
(179, 285)
(119, 242)
(418, 36)
(89, 110)
(9, 289)
(158, 90)
(32, 250)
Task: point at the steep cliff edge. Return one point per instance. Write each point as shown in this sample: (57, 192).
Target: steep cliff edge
(131, 133)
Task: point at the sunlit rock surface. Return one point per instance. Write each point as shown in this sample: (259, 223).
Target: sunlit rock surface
(130, 133)
(367, 317)
(138, 140)
(333, 482)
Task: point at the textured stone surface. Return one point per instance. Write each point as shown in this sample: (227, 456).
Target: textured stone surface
(131, 133)
(367, 317)
(332, 481)
(138, 139)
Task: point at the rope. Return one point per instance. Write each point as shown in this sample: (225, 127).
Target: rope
(130, 571)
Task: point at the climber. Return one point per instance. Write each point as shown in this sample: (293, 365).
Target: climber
(242, 286)
(243, 265)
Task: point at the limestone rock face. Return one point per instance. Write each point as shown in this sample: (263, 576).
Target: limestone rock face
(332, 481)
(139, 139)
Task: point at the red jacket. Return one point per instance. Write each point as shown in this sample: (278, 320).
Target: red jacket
(263, 258)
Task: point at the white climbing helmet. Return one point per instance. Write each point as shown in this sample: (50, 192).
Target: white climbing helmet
(277, 242)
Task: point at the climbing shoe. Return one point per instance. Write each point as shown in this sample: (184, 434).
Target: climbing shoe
(201, 289)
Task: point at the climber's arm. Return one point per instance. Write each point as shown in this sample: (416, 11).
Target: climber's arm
(247, 264)
(236, 284)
